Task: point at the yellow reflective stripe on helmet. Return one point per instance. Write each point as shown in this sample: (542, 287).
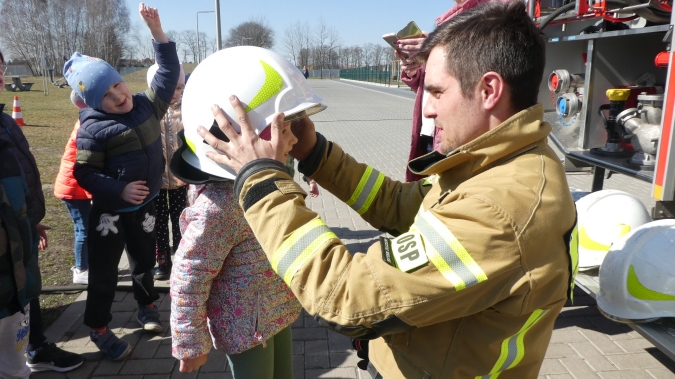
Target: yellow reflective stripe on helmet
(366, 190)
(191, 145)
(272, 86)
(447, 253)
(299, 247)
(639, 291)
(513, 348)
(587, 242)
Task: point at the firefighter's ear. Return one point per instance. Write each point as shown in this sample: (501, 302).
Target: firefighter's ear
(491, 90)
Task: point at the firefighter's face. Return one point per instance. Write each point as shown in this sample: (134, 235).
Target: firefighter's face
(459, 118)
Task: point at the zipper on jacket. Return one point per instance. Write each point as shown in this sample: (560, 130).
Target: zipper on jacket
(258, 334)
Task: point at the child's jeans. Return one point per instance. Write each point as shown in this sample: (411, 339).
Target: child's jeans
(13, 342)
(79, 212)
(109, 233)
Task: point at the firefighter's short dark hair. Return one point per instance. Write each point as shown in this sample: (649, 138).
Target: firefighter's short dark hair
(497, 37)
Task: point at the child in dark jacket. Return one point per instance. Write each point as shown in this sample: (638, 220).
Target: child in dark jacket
(19, 272)
(42, 355)
(120, 162)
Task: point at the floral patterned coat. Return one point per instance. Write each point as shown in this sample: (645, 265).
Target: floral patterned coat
(224, 293)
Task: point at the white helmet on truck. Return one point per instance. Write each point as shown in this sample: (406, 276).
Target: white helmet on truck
(265, 82)
(603, 217)
(637, 278)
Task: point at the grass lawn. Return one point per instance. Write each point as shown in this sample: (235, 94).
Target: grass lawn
(50, 120)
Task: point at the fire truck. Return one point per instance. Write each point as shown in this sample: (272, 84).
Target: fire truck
(609, 93)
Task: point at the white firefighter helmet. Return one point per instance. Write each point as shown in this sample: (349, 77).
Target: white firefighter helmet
(637, 279)
(264, 81)
(602, 217)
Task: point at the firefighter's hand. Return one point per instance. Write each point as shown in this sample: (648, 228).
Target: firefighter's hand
(305, 132)
(247, 146)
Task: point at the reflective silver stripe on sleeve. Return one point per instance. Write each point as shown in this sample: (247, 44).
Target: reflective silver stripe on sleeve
(365, 192)
(446, 252)
(299, 247)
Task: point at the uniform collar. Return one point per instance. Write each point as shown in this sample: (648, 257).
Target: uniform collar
(516, 135)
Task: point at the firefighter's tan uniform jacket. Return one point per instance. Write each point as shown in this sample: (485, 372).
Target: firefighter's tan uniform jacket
(472, 292)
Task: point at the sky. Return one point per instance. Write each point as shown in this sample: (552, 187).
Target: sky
(357, 21)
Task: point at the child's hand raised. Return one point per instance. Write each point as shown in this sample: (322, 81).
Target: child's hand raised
(151, 18)
(149, 15)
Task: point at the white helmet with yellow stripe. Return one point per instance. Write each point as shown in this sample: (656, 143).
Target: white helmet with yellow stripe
(603, 217)
(637, 279)
(264, 81)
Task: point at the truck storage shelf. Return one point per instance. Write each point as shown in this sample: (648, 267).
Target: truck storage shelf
(610, 163)
(615, 33)
(661, 332)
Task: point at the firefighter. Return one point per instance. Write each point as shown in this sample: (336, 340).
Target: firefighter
(481, 264)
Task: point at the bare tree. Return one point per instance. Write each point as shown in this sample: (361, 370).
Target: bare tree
(57, 28)
(189, 40)
(358, 56)
(212, 43)
(292, 40)
(389, 55)
(368, 53)
(298, 37)
(141, 44)
(345, 57)
(255, 32)
(326, 40)
(377, 54)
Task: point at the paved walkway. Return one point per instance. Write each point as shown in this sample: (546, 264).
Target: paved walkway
(373, 125)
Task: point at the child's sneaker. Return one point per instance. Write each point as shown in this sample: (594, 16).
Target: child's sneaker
(114, 348)
(49, 357)
(148, 317)
(80, 277)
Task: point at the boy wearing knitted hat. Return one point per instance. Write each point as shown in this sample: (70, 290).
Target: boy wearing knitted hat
(119, 161)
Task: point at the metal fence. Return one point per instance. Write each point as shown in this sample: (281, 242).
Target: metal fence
(324, 74)
(128, 70)
(17, 69)
(372, 74)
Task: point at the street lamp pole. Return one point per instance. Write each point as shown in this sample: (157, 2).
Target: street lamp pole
(219, 43)
(199, 53)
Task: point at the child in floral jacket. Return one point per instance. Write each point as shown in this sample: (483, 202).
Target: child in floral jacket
(224, 294)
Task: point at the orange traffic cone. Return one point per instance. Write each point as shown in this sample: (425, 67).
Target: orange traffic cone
(16, 112)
